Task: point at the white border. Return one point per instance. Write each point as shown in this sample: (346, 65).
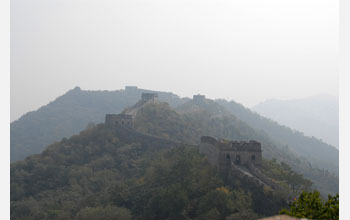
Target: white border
(344, 91)
(344, 110)
(5, 108)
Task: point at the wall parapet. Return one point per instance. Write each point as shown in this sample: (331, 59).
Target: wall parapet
(263, 177)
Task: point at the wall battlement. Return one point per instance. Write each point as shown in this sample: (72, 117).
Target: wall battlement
(230, 145)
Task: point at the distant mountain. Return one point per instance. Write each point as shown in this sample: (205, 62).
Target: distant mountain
(316, 116)
(318, 153)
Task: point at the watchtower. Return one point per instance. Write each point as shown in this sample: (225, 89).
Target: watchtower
(198, 98)
(149, 96)
(223, 153)
(120, 119)
(130, 89)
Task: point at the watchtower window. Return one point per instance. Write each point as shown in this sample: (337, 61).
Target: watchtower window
(228, 156)
(253, 157)
(238, 159)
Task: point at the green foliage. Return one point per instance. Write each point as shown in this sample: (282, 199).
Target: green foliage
(168, 203)
(244, 214)
(219, 200)
(284, 174)
(310, 205)
(107, 174)
(331, 207)
(211, 214)
(162, 121)
(103, 213)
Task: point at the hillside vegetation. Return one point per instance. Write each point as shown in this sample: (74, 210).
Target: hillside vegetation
(68, 115)
(114, 173)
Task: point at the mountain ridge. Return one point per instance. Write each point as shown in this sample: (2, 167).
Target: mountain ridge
(314, 116)
(214, 119)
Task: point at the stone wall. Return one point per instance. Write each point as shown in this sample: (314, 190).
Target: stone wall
(268, 181)
(234, 172)
(127, 135)
(211, 152)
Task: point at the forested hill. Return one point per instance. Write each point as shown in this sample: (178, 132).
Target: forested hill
(68, 115)
(109, 173)
(72, 112)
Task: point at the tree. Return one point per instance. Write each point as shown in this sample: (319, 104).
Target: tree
(245, 214)
(103, 213)
(309, 205)
(331, 207)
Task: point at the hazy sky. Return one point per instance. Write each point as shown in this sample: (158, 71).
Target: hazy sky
(245, 50)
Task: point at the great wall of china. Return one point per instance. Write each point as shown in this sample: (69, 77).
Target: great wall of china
(232, 158)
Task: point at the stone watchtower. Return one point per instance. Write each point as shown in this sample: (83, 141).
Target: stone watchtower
(223, 153)
(131, 89)
(149, 97)
(199, 98)
(121, 120)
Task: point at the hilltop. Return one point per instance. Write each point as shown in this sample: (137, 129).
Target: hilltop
(68, 115)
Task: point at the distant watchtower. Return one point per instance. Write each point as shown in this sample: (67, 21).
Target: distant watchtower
(149, 97)
(198, 98)
(131, 89)
(121, 120)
